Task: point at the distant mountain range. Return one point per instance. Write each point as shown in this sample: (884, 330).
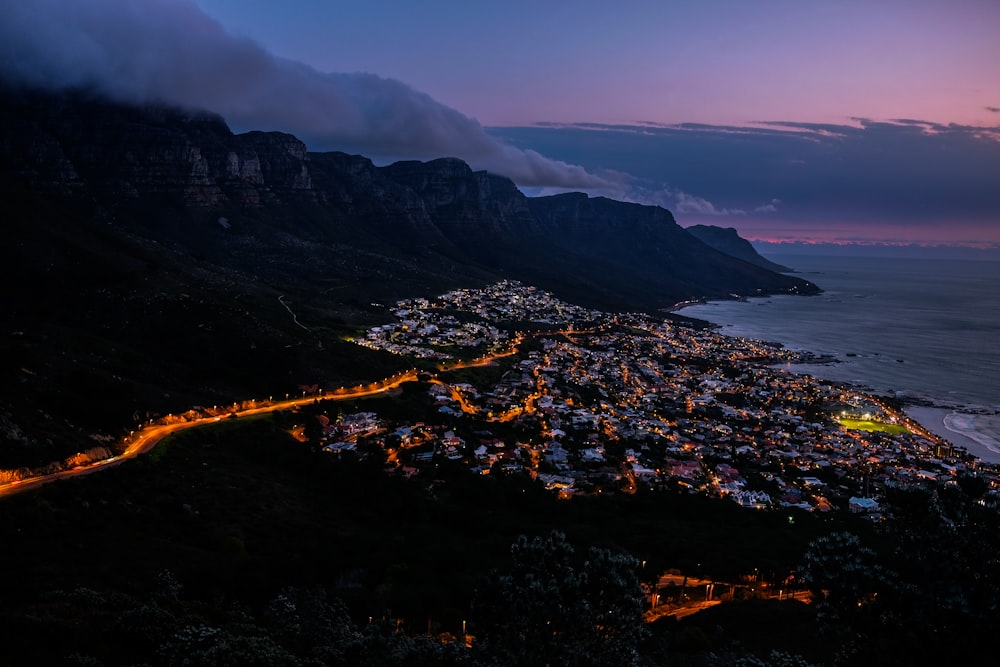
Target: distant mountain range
(151, 258)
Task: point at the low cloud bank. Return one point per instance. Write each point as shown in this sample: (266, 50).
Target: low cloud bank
(905, 178)
(171, 51)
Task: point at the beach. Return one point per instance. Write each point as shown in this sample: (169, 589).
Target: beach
(978, 434)
(920, 331)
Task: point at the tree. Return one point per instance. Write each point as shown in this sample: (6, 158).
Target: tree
(553, 609)
(306, 623)
(843, 577)
(313, 430)
(773, 659)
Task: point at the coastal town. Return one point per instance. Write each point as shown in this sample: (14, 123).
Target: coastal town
(596, 402)
(509, 381)
(515, 381)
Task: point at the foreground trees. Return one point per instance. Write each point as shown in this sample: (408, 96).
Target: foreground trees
(556, 608)
(234, 549)
(925, 590)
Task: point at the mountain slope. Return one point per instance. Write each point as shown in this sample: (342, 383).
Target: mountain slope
(728, 240)
(153, 260)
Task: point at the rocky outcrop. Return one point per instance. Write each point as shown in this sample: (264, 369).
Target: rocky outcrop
(728, 240)
(608, 235)
(474, 207)
(71, 143)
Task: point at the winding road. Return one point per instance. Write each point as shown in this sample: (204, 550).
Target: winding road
(150, 435)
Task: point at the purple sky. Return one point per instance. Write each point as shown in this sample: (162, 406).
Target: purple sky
(713, 61)
(785, 119)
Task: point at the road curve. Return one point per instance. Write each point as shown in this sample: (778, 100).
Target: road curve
(150, 435)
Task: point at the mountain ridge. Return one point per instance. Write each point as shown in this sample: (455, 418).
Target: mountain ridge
(728, 240)
(152, 256)
(115, 155)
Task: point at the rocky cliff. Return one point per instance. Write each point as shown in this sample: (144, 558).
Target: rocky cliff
(728, 241)
(121, 159)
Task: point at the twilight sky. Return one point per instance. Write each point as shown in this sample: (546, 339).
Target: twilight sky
(850, 121)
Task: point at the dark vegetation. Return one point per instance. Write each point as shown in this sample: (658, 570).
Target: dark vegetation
(238, 540)
(240, 512)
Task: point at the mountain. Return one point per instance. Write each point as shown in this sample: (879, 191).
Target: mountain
(153, 260)
(728, 240)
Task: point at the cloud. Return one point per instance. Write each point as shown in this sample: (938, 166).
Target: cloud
(676, 200)
(769, 207)
(993, 109)
(171, 51)
(687, 203)
(919, 175)
(627, 188)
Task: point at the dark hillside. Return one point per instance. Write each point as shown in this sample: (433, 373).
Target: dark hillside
(727, 240)
(153, 261)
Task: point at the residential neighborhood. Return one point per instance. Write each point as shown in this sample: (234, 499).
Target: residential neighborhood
(595, 402)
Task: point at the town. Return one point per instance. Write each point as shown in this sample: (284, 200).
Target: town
(595, 403)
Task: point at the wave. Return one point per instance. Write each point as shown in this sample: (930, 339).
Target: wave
(982, 429)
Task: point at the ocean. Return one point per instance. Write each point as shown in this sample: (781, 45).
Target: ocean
(927, 330)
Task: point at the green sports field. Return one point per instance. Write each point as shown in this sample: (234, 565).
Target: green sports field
(865, 425)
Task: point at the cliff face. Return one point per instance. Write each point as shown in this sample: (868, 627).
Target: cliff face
(136, 163)
(729, 241)
(670, 263)
(69, 144)
(463, 203)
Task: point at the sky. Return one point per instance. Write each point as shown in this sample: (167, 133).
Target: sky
(847, 122)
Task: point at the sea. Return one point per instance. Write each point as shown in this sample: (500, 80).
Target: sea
(926, 331)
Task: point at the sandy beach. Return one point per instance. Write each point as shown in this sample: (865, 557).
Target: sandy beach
(978, 434)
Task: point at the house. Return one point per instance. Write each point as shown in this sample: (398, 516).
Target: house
(862, 505)
(554, 453)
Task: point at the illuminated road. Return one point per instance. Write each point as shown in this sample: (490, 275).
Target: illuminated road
(685, 611)
(149, 436)
(485, 360)
(700, 594)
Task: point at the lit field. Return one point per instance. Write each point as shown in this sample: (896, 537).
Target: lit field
(863, 425)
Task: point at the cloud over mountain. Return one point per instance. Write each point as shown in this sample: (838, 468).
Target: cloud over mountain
(171, 51)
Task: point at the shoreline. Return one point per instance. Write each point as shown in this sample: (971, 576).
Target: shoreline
(966, 418)
(971, 428)
(978, 434)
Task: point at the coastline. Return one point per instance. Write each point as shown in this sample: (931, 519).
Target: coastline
(978, 434)
(891, 327)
